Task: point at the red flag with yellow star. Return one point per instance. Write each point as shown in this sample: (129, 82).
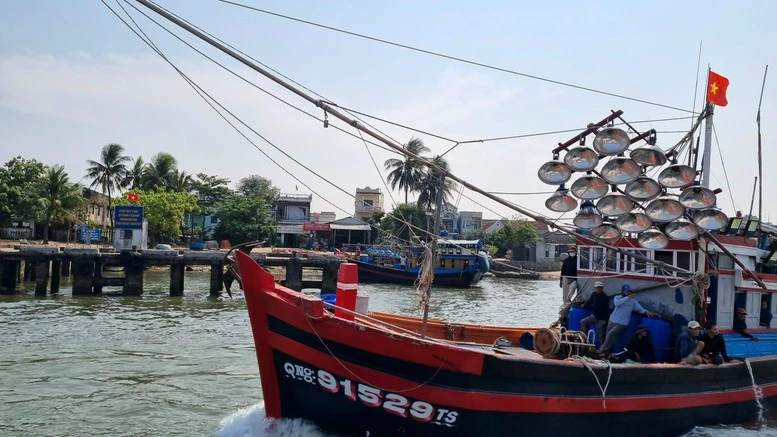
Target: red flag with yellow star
(716, 89)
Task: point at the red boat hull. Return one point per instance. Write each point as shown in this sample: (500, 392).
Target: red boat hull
(354, 378)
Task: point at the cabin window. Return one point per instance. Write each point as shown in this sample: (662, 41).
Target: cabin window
(584, 255)
(725, 262)
(612, 261)
(684, 260)
(598, 259)
(665, 256)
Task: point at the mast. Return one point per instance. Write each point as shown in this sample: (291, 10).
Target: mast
(707, 154)
(428, 291)
(760, 164)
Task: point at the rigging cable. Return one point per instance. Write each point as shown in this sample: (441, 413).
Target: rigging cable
(454, 58)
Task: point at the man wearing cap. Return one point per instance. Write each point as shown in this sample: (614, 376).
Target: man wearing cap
(599, 303)
(568, 279)
(688, 346)
(619, 319)
(740, 326)
(640, 348)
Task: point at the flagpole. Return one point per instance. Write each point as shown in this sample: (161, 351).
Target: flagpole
(707, 154)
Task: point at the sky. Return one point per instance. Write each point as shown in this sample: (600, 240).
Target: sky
(73, 78)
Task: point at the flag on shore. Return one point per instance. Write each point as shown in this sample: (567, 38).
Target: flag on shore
(716, 89)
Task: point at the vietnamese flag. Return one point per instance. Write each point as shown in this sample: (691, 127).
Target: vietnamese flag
(716, 89)
(133, 197)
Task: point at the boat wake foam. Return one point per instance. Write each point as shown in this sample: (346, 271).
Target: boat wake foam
(252, 422)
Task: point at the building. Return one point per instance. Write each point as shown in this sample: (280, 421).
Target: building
(292, 211)
(368, 202)
(470, 222)
(348, 231)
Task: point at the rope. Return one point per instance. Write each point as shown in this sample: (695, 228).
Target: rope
(585, 361)
(425, 277)
(360, 379)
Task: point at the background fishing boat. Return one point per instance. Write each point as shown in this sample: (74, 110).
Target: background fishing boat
(460, 263)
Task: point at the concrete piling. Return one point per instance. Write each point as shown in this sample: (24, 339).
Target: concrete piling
(42, 269)
(65, 268)
(133, 273)
(9, 271)
(176, 278)
(329, 277)
(56, 271)
(216, 278)
(294, 273)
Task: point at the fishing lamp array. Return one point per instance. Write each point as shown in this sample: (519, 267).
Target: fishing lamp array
(627, 199)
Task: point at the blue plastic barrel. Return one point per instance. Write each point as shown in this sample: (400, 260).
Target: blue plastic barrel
(660, 336)
(577, 314)
(626, 335)
(328, 298)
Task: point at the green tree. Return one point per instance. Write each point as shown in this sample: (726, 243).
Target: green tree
(211, 192)
(259, 187)
(247, 215)
(59, 199)
(164, 210)
(161, 171)
(513, 234)
(243, 219)
(429, 186)
(19, 179)
(108, 173)
(134, 176)
(406, 174)
(395, 223)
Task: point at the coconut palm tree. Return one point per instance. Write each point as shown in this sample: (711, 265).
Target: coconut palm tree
(181, 181)
(406, 174)
(59, 198)
(134, 176)
(160, 171)
(108, 173)
(429, 186)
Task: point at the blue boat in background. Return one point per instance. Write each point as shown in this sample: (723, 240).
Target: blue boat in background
(459, 263)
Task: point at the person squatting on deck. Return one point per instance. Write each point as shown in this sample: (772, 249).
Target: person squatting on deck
(714, 350)
(740, 326)
(568, 279)
(599, 303)
(688, 347)
(619, 319)
(640, 348)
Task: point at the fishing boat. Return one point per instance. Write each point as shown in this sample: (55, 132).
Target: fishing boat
(354, 373)
(366, 378)
(460, 263)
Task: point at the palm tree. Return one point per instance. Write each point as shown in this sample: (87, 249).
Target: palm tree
(58, 198)
(429, 186)
(134, 177)
(108, 173)
(160, 171)
(181, 181)
(406, 174)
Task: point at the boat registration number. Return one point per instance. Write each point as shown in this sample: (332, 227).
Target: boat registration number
(391, 403)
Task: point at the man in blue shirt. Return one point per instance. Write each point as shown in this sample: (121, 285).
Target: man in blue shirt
(619, 319)
(688, 345)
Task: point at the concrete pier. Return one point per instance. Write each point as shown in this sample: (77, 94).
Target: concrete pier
(46, 265)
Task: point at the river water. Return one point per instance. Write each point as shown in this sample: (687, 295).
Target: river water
(185, 366)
